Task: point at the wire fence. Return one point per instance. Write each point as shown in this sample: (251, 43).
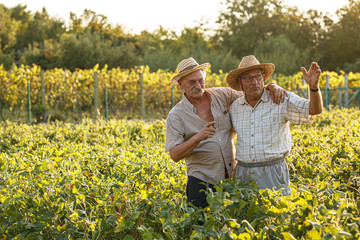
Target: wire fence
(142, 103)
(339, 98)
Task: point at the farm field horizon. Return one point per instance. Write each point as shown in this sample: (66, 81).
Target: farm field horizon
(113, 180)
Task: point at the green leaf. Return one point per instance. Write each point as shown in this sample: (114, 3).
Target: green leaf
(288, 236)
(112, 218)
(128, 237)
(313, 234)
(248, 225)
(209, 224)
(134, 216)
(143, 194)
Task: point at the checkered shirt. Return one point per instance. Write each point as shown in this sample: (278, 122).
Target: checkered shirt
(209, 159)
(263, 132)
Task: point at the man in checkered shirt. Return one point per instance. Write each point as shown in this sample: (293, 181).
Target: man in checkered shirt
(198, 129)
(262, 127)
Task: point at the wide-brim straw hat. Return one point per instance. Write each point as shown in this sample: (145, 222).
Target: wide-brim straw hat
(187, 66)
(246, 64)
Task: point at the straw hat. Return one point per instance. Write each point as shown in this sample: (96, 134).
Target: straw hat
(187, 66)
(246, 64)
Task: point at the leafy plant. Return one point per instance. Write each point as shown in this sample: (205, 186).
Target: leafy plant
(112, 180)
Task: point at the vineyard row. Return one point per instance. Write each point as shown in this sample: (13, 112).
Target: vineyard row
(130, 92)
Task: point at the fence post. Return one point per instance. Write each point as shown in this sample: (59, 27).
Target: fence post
(348, 103)
(303, 81)
(339, 92)
(42, 88)
(327, 93)
(106, 104)
(172, 95)
(298, 89)
(346, 88)
(305, 94)
(142, 95)
(96, 95)
(29, 103)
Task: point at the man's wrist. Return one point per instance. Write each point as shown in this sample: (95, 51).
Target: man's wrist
(312, 89)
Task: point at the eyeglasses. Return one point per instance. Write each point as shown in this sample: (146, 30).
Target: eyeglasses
(249, 79)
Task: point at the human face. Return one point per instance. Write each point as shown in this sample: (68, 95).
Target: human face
(252, 83)
(193, 84)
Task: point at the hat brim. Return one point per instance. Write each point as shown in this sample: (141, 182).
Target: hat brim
(176, 78)
(232, 77)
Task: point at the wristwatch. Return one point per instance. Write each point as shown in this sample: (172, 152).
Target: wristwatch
(314, 90)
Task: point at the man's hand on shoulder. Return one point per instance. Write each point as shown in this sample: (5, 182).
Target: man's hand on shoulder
(277, 93)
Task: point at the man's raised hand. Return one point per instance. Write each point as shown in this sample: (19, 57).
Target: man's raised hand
(312, 76)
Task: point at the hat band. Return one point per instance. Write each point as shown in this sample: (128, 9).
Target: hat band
(189, 67)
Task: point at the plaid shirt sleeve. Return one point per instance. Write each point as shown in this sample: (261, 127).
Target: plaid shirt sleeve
(298, 109)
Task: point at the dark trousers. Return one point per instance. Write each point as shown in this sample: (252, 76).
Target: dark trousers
(195, 191)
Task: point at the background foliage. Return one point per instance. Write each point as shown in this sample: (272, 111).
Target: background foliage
(270, 29)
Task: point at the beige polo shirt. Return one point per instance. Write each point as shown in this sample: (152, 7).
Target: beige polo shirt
(210, 158)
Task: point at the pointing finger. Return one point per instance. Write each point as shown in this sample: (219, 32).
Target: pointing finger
(210, 123)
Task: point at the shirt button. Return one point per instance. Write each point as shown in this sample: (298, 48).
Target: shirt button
(253, 160)
(219, 140)
(252, 135)
(252, 146)
(252, 123)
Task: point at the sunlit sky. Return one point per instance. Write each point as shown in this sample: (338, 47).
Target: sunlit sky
(138, 15)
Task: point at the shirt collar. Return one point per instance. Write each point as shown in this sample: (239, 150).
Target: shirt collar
(189, 105)
(265, 97)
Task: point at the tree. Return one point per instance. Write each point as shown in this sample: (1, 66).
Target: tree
(286, 56)
(8, 27)
(157, 49)
(38, 28)
(88, 49)
(246, 23)
(90, 21)
(45, 54)
(341, 46)
(163, 49)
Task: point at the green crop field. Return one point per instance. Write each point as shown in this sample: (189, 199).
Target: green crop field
(112, 180)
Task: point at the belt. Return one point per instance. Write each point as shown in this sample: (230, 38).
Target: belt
(260, 164)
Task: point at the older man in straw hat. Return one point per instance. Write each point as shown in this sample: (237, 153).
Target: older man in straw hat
(263, 133)
(198, 129)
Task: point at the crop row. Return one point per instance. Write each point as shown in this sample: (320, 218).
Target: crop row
(112, 180)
